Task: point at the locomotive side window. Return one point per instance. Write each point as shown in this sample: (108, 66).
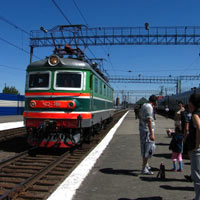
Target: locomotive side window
(39, 80)
(68, 80)
(104, 90)
(96, 85)
(101, 88)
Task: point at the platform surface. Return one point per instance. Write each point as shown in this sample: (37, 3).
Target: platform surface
(11, 121)
(11, 118)
(117, 173)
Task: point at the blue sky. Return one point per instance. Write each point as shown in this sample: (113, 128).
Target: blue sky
(145, 60)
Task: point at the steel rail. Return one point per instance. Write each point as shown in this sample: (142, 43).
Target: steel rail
(26, 183)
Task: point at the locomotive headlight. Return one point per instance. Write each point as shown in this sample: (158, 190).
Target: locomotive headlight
(53, 60)
(71, 105)
(32, 104)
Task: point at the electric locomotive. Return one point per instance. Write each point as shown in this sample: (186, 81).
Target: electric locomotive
(66, 101)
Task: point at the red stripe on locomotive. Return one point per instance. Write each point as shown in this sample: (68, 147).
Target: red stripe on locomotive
(57, 94)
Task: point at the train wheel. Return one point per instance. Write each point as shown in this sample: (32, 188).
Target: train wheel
(89, 133)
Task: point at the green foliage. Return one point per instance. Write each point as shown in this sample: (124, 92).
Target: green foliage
(10, 90)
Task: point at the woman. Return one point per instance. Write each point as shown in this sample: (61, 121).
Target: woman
(194, 104)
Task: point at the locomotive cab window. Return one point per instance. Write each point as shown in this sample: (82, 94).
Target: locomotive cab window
(68, 80)
(38, 80)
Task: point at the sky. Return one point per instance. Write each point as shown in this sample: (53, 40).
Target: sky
(18, 18)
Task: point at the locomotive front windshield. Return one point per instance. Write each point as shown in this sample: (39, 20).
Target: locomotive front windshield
(68, 80)
(38, 80)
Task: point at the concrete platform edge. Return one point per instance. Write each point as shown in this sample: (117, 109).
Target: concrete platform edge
(11, 125)
(68, 188)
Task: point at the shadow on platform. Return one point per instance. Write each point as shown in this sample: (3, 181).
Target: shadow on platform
(168, 187)
(187, 163)
(143, 198)
(155, 179)
(119, 171)
(163, 155)
(162, 144)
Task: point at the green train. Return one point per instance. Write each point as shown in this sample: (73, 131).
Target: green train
(66, 101)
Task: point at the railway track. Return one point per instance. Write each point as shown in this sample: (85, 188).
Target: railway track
(12, 133)
(35, 174)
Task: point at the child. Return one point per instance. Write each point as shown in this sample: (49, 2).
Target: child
(176, 145)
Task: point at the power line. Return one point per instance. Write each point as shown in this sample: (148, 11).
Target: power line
(88, 25)
(84, 19)
(80, 12)
(61, 12)
(15, 68)
(16, 27)
(12, 24)
(11, 44)
(14, 45)
(188, 67)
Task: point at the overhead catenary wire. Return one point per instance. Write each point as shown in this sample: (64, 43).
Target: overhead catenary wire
(84, 19)
(189, 67)
(60, 10)
(76, 5)
(13, 68)
(14, 25)
(79, 10)
(19, 28)
(66, 18)
(17, 47)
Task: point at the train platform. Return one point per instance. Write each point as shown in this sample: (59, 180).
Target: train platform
(11, 118)
(11, 121)
(116, 175)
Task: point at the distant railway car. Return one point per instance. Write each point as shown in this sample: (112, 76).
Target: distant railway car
(171, 102)
(66, 100)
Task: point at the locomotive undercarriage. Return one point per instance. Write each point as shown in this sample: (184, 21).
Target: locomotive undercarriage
(50, 135)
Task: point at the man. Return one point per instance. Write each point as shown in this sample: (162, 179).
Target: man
(177, 119)
(137, 110)
(146, 129)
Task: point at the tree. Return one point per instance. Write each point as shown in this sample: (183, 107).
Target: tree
(10, 90)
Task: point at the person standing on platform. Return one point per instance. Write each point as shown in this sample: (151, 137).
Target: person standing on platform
(187, 116)
(194, 138)
(167, 111)
(176, 145)
(177, 118)
(137, 111)
(146, 129)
